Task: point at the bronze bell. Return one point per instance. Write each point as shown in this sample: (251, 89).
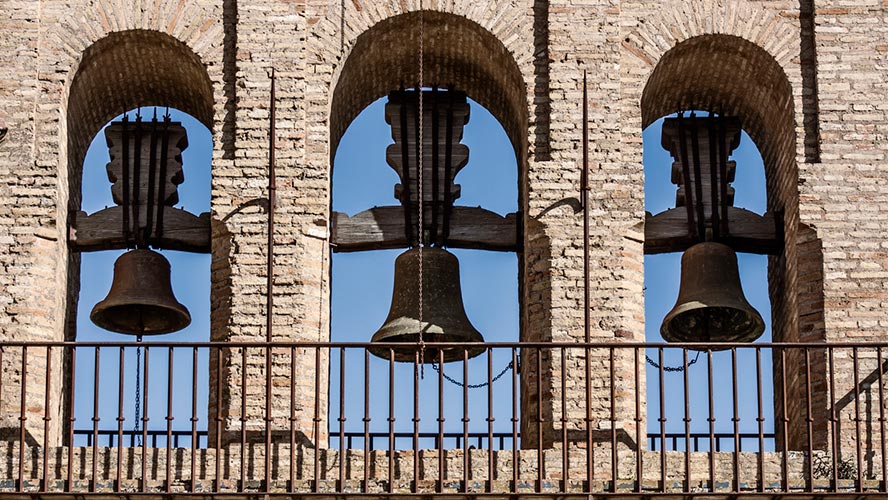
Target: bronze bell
(444, 318)
(711, 306)
(141, 300)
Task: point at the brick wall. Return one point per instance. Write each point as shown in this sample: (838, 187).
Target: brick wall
(68, 65)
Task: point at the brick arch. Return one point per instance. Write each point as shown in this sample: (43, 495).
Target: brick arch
(121, 71)
(457, 52)
(129, 69)
(83, 31)
(676, 21)
(732, 75)
(737, 77)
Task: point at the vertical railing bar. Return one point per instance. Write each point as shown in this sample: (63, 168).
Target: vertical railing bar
(491, 463)
(292, 483)
(760, 420)
(71, 418)
(565, 463)
(662, 418)
(391, 421)
(514, 401)
(833, 420)
(268, 396)
(441, 463)
(809, 417)
(169, 419)
(316, 421)
(120, 417)
(366, 419)
(539, 401)
(882, 418)
(687, 419)
(342, 418)
(218, 459)
(613, 420)
(47, 418)
(859, 481)
(194, 419)
(243, 421)
(711, 419)
(639, 451)
(465, 420)
(590, 455)
(736, 418)
(144, 479)
(785, 458)
(415, 485)
(95, 416)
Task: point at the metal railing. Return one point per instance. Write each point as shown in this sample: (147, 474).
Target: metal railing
(519, 418)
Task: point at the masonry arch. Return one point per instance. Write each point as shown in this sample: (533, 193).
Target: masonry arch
(459, 53)
(130, 69)
(119, 72)
(459, 57)
(736, 77)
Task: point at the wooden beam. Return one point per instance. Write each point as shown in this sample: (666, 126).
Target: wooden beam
(102, 231)
(383, 227)
(750, 232)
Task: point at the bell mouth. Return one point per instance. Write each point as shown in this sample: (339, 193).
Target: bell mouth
(406, 331)
(715, 324)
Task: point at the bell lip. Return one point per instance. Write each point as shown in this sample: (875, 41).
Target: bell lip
(407, 353)
(410, 341)
(97, 317)
(672, 336)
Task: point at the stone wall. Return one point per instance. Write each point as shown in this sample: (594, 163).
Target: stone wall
(807, 81)
(379, 472)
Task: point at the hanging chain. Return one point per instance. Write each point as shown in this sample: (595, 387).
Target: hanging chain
(136, 417)
(475, 386)
(672, 368)
(420, 181)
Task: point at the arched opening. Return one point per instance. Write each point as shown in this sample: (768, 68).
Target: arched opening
(662, 272)
(190, 281)
(109, 81)
(125, 74)
(736, 78)
(461, 60)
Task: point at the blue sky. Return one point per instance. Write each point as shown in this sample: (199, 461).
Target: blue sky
(362, 282)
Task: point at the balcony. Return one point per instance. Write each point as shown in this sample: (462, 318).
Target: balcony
(535, 419)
